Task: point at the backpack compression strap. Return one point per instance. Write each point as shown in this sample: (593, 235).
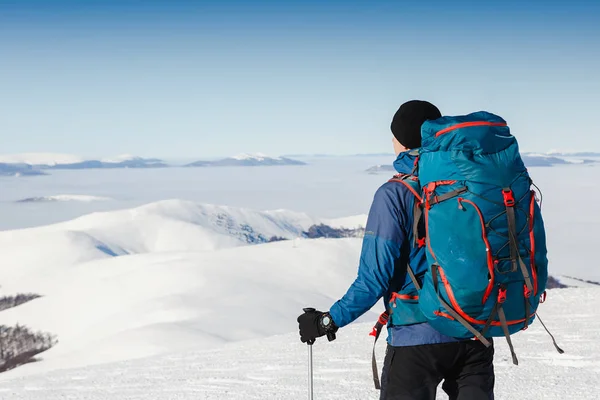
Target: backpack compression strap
(381, 322)
(478, 335)
(515, 256)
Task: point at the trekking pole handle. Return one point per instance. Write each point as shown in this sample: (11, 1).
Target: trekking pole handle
(330, 335)
(310, 342)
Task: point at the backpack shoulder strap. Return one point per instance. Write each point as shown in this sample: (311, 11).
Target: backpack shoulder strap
(414, 185)
(411, 182)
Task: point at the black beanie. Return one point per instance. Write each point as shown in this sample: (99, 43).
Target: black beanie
(406, 124)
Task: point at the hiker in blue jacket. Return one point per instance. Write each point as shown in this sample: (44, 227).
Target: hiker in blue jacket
(418, 358)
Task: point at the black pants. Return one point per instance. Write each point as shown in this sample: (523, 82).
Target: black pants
(414, 373)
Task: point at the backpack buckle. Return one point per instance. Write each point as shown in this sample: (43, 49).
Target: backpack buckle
(509, 199)
(381, 322)
(421, 242)
(526, 292)
(501, 295)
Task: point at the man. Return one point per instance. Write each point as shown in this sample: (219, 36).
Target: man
(418, 358)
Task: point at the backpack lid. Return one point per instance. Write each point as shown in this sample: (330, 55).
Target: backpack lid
(477, 147)
(478, 132)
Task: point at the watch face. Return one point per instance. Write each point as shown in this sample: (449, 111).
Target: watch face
(326, 320)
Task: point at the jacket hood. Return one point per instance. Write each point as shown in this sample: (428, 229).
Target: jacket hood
(405, 161)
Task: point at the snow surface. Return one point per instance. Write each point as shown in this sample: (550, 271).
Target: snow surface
(276, 368)
(149, 280)
(574, 281)
(116, 308)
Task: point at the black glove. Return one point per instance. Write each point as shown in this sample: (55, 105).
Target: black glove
(314, 324)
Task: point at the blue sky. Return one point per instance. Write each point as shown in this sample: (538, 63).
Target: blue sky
(214, 78)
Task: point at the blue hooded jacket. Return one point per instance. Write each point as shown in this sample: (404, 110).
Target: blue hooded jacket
(386, 249)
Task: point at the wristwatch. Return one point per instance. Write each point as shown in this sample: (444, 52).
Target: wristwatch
(326, 322)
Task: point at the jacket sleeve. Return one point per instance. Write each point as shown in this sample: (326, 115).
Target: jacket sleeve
(384, 234)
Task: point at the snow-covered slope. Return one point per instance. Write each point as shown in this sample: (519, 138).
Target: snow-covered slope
(247, 160)
(572, 281)
(276, 368)
(133, 283)
(117, 308)
(166, 226)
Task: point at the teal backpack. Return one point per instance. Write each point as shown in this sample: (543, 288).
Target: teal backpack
(484, 233)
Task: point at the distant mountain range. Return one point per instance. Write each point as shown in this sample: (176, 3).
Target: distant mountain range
(136, 162)
(573, 154)
(33, 164)
(324, 155)
(19, 170)
(381, 168)
(549, 160)
(36, 163)
(530, 160)
(62, 198)
(247, 160)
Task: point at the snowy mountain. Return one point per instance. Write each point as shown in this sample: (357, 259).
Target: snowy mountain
(247, 160)
(171, 225)
(40, 159)
(19, 170)
(548, 160)
(134, 162)
(381, 168)
(146, 281)
(529, 159)
(563, 153)
(63, 197)
(43, 161)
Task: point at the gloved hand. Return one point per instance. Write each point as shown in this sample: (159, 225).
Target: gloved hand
(314, 324)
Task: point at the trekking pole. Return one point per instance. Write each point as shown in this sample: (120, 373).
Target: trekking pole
(310, 370)
(310, 362)
(330, 337)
